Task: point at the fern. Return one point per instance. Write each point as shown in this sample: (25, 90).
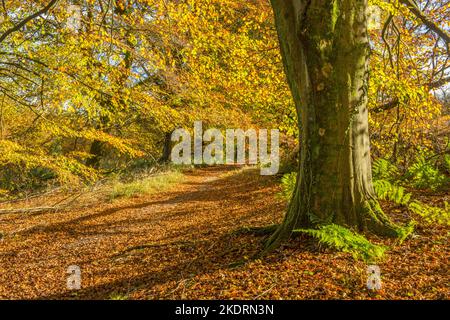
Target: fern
(431, 214)
(447, 162)
(384, 170)
(288, 182)
(423, 174)
(387, 191)
(347, 241)
(405, 231)
(118, 296)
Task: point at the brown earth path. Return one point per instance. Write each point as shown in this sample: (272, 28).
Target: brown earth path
(183, 244)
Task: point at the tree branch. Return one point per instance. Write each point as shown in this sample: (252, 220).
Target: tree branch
(395, 101)
(26, 20)
(427, 21)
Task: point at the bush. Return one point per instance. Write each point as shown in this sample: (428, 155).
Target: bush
(447, 162)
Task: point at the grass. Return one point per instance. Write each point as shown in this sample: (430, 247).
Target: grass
(146, 185)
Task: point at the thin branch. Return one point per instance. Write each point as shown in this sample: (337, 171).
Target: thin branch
(26, 20)
(28, 210)
(395, 102)
(427, 21)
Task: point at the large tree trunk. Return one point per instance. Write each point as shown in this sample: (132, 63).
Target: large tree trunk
(324, 45)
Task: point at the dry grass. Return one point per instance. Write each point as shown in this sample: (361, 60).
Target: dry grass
(148, 185)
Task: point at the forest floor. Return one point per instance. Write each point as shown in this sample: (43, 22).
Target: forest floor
(184, 243)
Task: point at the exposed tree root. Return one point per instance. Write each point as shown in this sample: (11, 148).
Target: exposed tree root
(377, 222)
(266, 230)
(374, 220)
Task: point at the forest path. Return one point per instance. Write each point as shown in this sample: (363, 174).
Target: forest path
(106, 241)
(182, 244)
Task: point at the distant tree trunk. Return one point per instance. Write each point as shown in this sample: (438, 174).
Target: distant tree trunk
(97, 149)
(166, 147)
(96, 152)
(324, 45)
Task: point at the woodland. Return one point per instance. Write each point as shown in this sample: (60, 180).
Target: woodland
(91, 92)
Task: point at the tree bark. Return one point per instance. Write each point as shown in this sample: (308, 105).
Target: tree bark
(325, 50)
(167, 144)
(96, 152)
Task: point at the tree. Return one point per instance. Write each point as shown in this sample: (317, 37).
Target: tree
(325, 51)
(404, 114)
(87, 100)
(23, 22)
(81, 100)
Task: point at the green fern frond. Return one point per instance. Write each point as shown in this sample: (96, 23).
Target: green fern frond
(423, 174)
(447, 162)
(383, 169)
(387, 191)
(431, 214)
(288, 182)
(346, 240)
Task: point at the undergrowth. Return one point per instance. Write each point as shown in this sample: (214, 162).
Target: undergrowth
(288, 182)
(147, 185)
(385, 190)
(424, 174)
(431, 214)
(383, 169)
(348, 241)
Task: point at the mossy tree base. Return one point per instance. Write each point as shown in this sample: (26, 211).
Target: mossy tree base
(372, 220)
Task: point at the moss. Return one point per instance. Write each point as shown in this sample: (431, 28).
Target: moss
(334, 15)
(377, 221)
